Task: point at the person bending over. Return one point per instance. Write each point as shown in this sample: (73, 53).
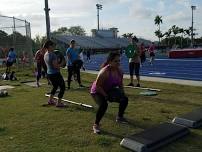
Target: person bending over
(108, 86)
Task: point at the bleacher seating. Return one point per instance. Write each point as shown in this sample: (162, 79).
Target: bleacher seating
(94, 42)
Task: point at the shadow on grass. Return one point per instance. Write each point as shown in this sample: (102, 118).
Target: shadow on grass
(160, 100)
(2, 130)
(104, 132)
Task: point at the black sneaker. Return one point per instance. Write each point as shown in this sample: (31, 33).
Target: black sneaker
(138, 85)
(68, 87)
(131, 84)
(121, 120)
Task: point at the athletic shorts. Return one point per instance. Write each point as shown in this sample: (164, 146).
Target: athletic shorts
(134, 66)
(9, 64)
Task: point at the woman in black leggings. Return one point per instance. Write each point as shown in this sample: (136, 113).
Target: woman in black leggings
(109, 87)
(54, 75)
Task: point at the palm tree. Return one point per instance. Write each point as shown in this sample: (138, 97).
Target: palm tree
(158, 34)
(158, 20)
(175, 31)
(188, 33)
(127, 35)
(181, 30)
(167, 34)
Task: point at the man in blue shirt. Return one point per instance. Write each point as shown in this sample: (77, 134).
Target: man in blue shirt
(73, 63)
(11, 58)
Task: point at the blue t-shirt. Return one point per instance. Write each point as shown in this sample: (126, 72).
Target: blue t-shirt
(73, 56)
(49, 57)
(11, 56)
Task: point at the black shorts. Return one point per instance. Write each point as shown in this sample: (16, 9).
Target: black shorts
(134, 66)
(152, 54)
(9, 64)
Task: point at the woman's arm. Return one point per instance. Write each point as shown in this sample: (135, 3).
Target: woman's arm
(100, 82)
(55, 64)
(121, 85)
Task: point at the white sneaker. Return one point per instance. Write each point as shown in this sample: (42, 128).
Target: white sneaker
(96, 129)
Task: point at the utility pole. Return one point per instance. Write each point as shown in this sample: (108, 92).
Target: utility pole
(99, 7)
(47, 9)
(192, 25)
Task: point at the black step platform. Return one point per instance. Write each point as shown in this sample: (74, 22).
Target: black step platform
(155, 137)
(192, 119)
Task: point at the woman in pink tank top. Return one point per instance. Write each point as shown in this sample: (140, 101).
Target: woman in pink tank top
(108, 86)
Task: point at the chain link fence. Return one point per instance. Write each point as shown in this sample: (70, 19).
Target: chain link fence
(16, 33)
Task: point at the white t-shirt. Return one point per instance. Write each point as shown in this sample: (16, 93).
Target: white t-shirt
(81, 56)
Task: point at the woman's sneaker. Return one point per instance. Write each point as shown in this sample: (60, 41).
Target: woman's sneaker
(61, 105)
(51, 102)
(96, 129)
(37, 84)
(121, 120)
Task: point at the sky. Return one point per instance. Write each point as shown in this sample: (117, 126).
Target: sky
(129, 16)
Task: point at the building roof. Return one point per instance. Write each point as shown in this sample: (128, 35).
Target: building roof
(87, 42)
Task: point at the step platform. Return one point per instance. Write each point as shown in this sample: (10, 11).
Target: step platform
(153, 138)
(192, 119)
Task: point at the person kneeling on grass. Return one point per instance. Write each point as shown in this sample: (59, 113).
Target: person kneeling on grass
(54, 75)
(109, 87)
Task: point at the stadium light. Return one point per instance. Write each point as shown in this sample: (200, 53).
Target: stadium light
(192, 25)
(99, 7)
(46, 9)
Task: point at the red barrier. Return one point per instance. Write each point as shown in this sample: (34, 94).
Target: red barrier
(186, 53)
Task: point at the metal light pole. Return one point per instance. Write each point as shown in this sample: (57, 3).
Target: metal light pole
(99, 7)
(192, 26)
(46, 9)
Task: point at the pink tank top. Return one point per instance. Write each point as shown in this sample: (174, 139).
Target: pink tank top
(109, 83)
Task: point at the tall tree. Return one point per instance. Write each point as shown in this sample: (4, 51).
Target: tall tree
(158, 34)
(175, 30)
(127, 35)
(181, 31)
(188, 33)
(158, 21)
(167, 35)
(77, 30)
(61, 30)
(73, 30)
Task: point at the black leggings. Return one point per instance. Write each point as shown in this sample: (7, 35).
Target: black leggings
(102, 103)
(57, 81)
(134, 66)
(72, 69)
(39, 70)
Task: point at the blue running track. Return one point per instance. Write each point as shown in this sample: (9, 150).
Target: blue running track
(187, 69)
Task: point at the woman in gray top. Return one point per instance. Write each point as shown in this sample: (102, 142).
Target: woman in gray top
(54, 75)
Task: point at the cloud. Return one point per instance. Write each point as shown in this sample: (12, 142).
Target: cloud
(140, 11)
(177, 17)
(129, 15)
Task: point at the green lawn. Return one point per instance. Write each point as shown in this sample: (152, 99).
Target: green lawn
(26, 126)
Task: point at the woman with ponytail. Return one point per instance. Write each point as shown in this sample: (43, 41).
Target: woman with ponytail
(108, 86)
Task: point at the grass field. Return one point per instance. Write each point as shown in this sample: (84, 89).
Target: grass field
(27, 126)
